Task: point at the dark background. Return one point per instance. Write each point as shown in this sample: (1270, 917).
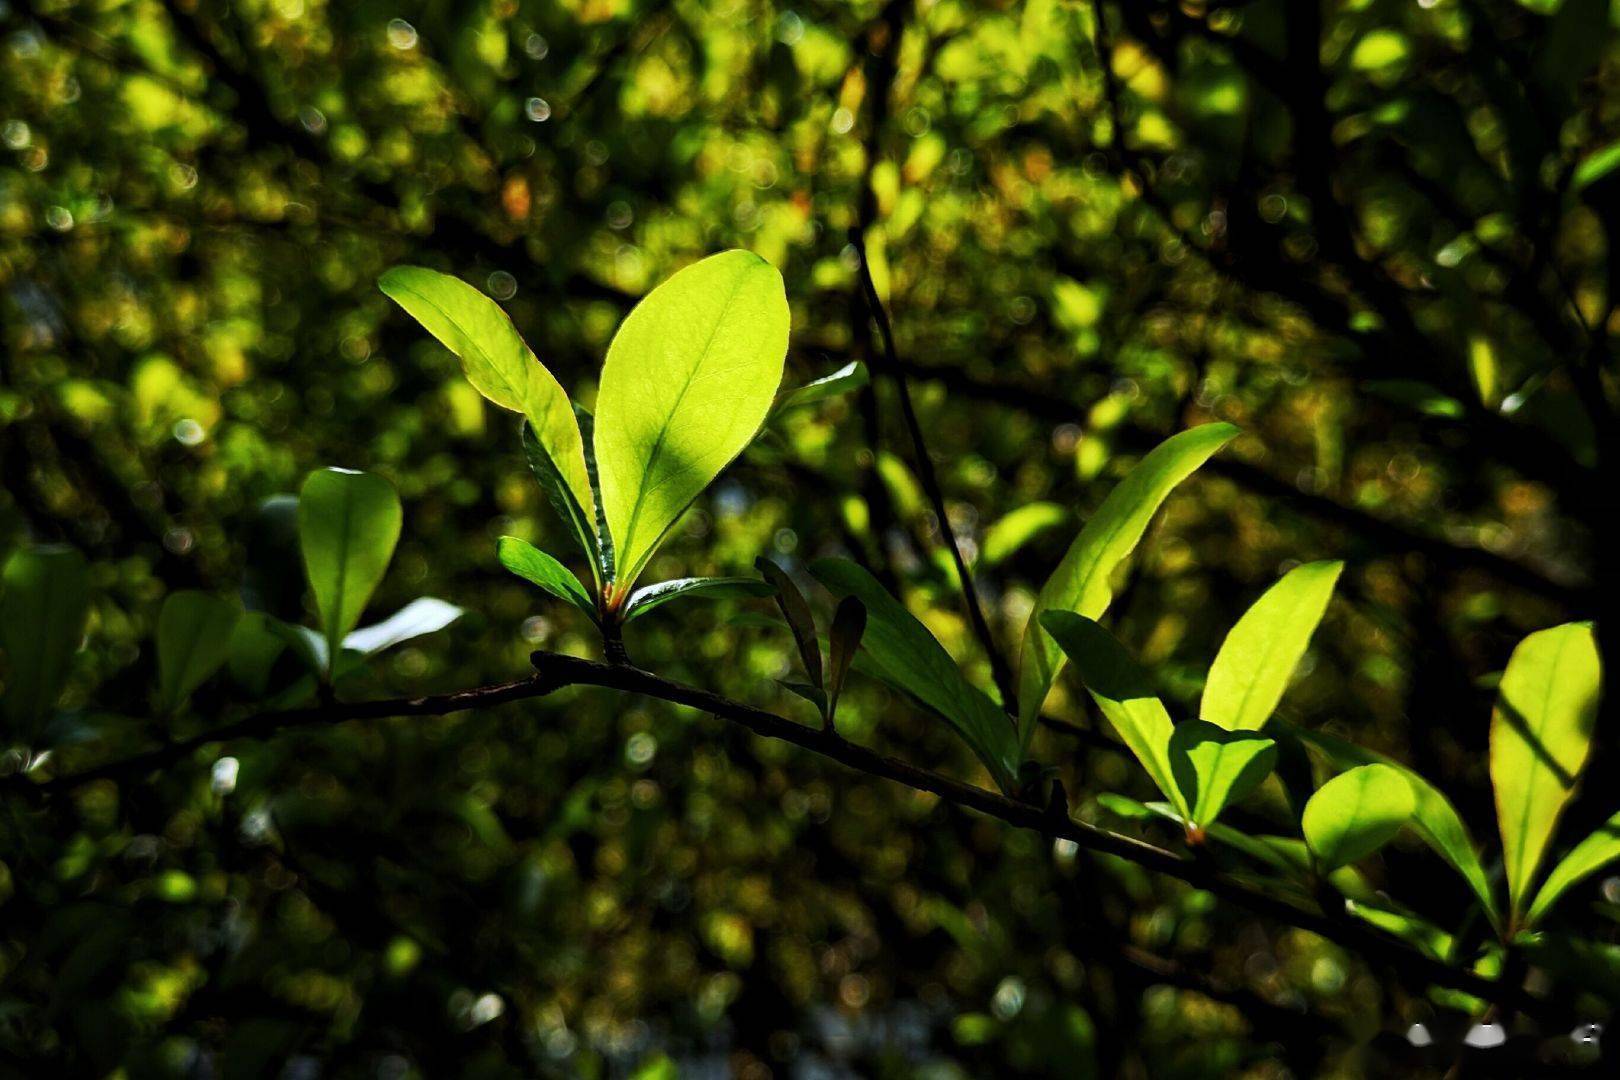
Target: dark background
(1378, 235)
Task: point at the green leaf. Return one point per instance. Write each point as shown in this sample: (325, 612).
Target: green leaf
(1356, 813)
(422, 616)
(907, 657)
(255, 646)
(348, 524)
(1434, 819)
(536, 567)
(796, 611)
(847, 379)
(1587, 858)
(1081, 582)
(193, 641)
(1541, 732)
(848, 625)
(1595, 166)
(1259, 655)
(687, 383)
(1124, 693)
(644, 600)
(44, 599)
(1214, 767)
(505, 371)
(813, 694)
(1017, 528)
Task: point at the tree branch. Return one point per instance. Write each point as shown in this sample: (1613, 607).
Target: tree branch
(555, 671)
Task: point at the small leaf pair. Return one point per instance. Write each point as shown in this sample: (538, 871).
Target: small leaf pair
(688, 380)
(1199, 766)
(1541, 731)
(538, 568)
(900, 651)
(848, 626)
(1202, 765)
(348, 525)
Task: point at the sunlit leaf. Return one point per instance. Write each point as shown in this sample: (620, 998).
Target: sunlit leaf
(1124, 693)
(348, 524)
(1586, 859)
(538, 568)
(1541, 732)
(422, 616)
(193, 641)
(1259, 655)
(502, 367)
(652, 596)
(687, 383)
(1434, 819)
(1356, 813)
(847, 379)
(44, 598)
(796, 611)
(907, 657)
(1082, 581)
(1214, 767)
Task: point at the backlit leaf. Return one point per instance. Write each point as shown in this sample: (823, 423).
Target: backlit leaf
(1214, 767)
(687, 382)
(1356, 813)
(1259, 655)
(1081, 583)
(1541, 732)
(652, 596)
(538, 568)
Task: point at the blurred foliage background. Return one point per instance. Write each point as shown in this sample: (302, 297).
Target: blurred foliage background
(1379, 235)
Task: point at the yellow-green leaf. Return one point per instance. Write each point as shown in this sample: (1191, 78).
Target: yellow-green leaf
(1356, 813)
(1541, 731)
(688, 380)
(1081, 583)
(1588, 857)
(1259, 655)
(506, 371)
(1124, 693)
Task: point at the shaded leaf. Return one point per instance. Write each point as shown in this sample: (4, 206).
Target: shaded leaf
(348, 524)
(848, 625)
(538, 568)
(907, 657)
(44, 599)
(1434, 818)
(193, 641)
(255, 646)
(580, 520)
(1541, 732)
(1356, 813)
(796, 611)
(687, 383)
(1258, 657)
(1587, 858)
(813, 694)
(1123, 692)
(644, 600)
(1214, 767)
(1081, 583)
